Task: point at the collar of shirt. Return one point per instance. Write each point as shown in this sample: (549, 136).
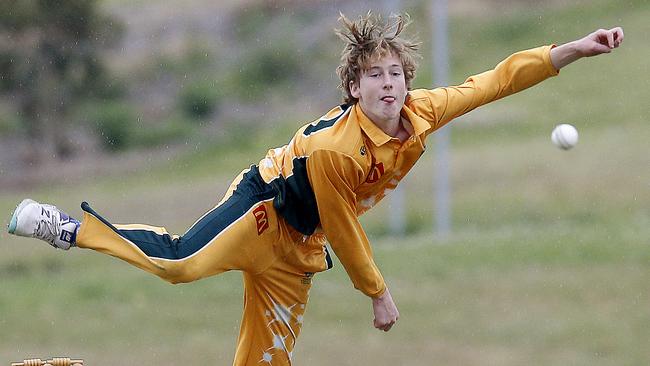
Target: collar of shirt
(379, 137)
(375, 133)
(420, 125)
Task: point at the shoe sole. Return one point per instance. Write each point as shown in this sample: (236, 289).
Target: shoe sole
(14, 218)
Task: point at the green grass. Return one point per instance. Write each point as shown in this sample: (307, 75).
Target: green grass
(478, 301)
(546, 296)
(548, 262)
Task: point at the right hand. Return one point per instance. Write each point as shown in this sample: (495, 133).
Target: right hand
(385, 311)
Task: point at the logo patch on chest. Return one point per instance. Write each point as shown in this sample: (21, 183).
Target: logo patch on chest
(261, 218)
(376, 172)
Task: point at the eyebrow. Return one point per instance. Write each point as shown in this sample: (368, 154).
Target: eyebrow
(390, 66)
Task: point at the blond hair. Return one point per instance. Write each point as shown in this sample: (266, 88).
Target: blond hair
(369, 38)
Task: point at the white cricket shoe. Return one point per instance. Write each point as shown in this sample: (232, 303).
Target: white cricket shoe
(45, 222)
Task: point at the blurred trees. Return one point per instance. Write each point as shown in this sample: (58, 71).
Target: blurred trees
(62, 89)
(50, 62)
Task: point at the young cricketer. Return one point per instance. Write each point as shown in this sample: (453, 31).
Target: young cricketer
(276, 219)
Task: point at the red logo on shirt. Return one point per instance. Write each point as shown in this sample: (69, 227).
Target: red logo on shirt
(376, 172)
(261, 218)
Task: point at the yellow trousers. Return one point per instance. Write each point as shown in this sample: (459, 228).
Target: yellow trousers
(243, 232)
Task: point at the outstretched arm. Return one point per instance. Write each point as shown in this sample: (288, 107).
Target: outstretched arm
(514, 74)
(596, 43)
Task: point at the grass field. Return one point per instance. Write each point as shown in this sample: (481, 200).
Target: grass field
(548, 262)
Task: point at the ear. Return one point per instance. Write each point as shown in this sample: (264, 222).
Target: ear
(355, 89)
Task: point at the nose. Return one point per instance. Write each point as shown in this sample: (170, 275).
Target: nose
(388, 84)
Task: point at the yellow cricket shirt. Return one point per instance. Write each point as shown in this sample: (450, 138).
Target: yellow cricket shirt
(341, 165)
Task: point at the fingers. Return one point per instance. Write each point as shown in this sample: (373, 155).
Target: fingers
(601, 41)
(603, 37)
(610, 37)
(618, 35)
(385, 326)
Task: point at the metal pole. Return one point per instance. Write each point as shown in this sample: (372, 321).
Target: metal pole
(439, 11)
(396, 203)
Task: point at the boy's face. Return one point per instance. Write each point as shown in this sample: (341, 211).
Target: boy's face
(381, 90)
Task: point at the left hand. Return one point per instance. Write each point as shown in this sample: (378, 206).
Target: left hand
(386, 313)
(595, 43)
(600, 41)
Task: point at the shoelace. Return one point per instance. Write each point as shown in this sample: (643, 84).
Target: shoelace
(48, 229)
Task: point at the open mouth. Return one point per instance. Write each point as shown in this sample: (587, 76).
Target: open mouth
(388, 99)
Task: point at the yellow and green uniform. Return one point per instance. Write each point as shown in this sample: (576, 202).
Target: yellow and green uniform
(276, 218)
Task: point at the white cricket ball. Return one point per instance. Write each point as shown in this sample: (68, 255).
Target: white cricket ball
(564, 136)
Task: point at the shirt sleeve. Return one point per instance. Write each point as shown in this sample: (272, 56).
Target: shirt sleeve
(333, 177)
(514, 74)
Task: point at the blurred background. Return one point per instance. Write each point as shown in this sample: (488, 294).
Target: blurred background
(147, 109)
